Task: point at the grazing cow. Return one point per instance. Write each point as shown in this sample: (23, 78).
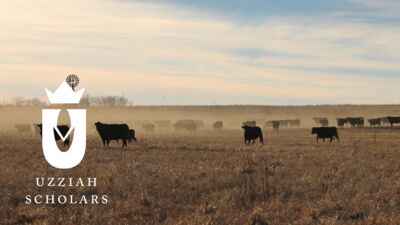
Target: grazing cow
(186, 125)
(63, 130)
(274, 124)
(109, 132)
(251, 134)
(23, 128)
(294, 123)
(131, 136)
(321, 121)
(218, 125)
(251, 123)
(355, 121)
(393, 120)
(325, 132)
(163, 124)
(149, 127)
(374, 122)
(341, 122)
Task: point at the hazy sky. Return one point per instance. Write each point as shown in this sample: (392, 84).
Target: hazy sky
(205, 52)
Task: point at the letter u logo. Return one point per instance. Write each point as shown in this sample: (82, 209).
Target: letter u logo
(76, 152)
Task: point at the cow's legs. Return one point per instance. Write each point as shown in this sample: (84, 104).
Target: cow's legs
(323, 140)
(253, 141)
(124, 144)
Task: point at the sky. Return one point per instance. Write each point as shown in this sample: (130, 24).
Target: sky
(210, 52)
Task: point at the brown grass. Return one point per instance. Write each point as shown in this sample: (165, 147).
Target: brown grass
(213, 178)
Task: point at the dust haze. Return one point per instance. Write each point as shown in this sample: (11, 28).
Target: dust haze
(232, 116)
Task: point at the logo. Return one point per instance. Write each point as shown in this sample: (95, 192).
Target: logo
(51, 132)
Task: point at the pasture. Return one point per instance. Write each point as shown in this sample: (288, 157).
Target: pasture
(211, 177)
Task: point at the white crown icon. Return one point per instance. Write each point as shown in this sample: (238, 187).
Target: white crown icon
(64, 95)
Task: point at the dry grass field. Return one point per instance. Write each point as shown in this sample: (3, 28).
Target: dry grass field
(211, 177)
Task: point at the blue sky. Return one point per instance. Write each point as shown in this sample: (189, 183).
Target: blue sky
(205, 52)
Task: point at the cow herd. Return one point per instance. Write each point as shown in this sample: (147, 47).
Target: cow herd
(117, 132)
(276, 124)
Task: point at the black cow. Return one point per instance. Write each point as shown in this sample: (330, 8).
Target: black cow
(325, 132)
(63, 130)
(132, 135)
(375, 122)
(252, 133)
(109, 132)
(393, 120)
(355, 121)
(341, 122)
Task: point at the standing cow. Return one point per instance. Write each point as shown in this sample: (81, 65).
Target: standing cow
(251, 134)
(218, 125)
(357, 122)
(374, 122)
(341, 122)
(109, 132)
(393, 120)
(325, 132)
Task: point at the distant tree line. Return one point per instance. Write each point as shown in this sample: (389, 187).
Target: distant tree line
(86, 100)
(105, 101)
(21, 101)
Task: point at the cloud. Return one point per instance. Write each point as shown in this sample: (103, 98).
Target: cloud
(150, 50)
